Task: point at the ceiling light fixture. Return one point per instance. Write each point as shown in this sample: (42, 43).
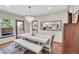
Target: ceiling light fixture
(7, 6)
(29, 17)
(49, 8)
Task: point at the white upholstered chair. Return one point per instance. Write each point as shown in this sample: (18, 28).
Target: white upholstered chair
(48, 46)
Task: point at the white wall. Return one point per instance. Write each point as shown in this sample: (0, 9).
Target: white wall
(12, 17)
(63, 16)
(5, 15)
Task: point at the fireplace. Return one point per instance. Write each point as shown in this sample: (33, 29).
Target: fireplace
(7, 31)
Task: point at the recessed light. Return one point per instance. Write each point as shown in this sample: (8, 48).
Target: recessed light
(7, 6)
(49, 8)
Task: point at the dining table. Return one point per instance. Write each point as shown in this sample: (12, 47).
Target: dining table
(28, 41)
(37, 37)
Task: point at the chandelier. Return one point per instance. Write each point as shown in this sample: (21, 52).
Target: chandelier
(29, 17)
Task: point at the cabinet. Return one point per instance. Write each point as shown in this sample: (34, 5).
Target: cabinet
(71, 39)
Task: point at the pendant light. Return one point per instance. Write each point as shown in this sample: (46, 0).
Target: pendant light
(29, 17)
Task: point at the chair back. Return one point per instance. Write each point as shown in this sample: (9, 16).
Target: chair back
(51, 44)
(51, 41)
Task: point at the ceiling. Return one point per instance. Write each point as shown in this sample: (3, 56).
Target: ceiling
(35, 9)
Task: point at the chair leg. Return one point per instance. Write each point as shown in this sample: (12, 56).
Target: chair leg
(39, 43)
(50, 50)
(40, 52)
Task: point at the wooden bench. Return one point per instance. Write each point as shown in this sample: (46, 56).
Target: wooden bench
(29, 45)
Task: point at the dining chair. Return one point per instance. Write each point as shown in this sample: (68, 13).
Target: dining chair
(48, 46)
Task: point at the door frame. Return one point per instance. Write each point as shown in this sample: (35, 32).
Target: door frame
(17, 27)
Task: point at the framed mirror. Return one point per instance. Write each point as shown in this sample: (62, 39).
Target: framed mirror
(51, 25)
(35, 26)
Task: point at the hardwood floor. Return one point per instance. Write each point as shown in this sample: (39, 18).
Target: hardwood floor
(12, 49)
(57, 48)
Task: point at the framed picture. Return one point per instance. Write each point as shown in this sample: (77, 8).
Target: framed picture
(6, 27)
(6, 23)
(75, 17)
(35, 25)
(51, 25)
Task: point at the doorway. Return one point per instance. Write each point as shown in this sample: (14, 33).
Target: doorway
(19, 28)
